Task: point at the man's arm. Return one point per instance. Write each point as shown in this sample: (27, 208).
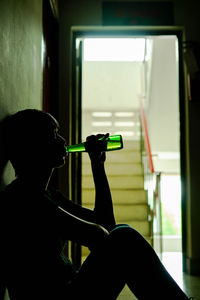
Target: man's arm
(78, 230)
(103, 200)
(103, 210)
(77, 210)
(104, 214)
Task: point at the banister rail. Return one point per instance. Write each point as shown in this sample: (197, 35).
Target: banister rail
(146, 135)
(152, 180)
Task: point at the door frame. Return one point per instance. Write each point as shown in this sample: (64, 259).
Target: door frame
(78, 32)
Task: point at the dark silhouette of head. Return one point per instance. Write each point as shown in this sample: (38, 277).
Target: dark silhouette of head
(32, 143)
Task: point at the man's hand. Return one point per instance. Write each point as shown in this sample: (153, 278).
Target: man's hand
(96, 148)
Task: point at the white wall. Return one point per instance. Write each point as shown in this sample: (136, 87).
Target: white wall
(111, 85)
(163, 110)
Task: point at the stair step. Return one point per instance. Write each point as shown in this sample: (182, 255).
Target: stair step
(129, 196)
(131, 212)
(84, 251)
(117, 182)
(124, 169)
(131, 145)
(116, 169)
(118, 156)
(143, 227)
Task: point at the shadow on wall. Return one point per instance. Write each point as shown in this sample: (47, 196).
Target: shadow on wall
(3, 156)
(6, 170)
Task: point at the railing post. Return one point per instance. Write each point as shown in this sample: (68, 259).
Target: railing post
(158, 216)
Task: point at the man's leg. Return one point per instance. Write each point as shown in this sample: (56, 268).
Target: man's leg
(145, 274)
(125, 257)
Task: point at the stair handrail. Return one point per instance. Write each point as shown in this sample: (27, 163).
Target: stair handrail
(152, 182)
(146, 135)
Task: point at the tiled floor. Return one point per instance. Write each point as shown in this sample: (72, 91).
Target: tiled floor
(173, 263)
(189, 284)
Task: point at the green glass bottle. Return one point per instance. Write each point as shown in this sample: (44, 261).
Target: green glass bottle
(112, 142)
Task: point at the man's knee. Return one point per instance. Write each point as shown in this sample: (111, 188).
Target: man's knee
(125, 233)
(125, 241)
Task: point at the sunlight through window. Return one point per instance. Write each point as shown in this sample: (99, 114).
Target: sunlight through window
(114, 49)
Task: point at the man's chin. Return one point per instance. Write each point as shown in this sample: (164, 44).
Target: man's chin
(60, 163)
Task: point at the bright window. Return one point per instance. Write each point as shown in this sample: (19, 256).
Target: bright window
(114, 49)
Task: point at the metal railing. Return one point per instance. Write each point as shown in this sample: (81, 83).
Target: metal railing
(152, 182)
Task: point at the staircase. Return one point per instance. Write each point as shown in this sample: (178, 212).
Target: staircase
(125, 175)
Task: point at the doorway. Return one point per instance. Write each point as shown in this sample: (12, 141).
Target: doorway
(100, 108)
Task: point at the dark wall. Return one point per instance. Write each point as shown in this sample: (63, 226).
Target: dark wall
(20, 59)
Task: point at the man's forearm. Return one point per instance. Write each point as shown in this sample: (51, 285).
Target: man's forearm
(103, 200)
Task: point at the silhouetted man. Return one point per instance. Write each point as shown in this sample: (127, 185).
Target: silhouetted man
(36, 221)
